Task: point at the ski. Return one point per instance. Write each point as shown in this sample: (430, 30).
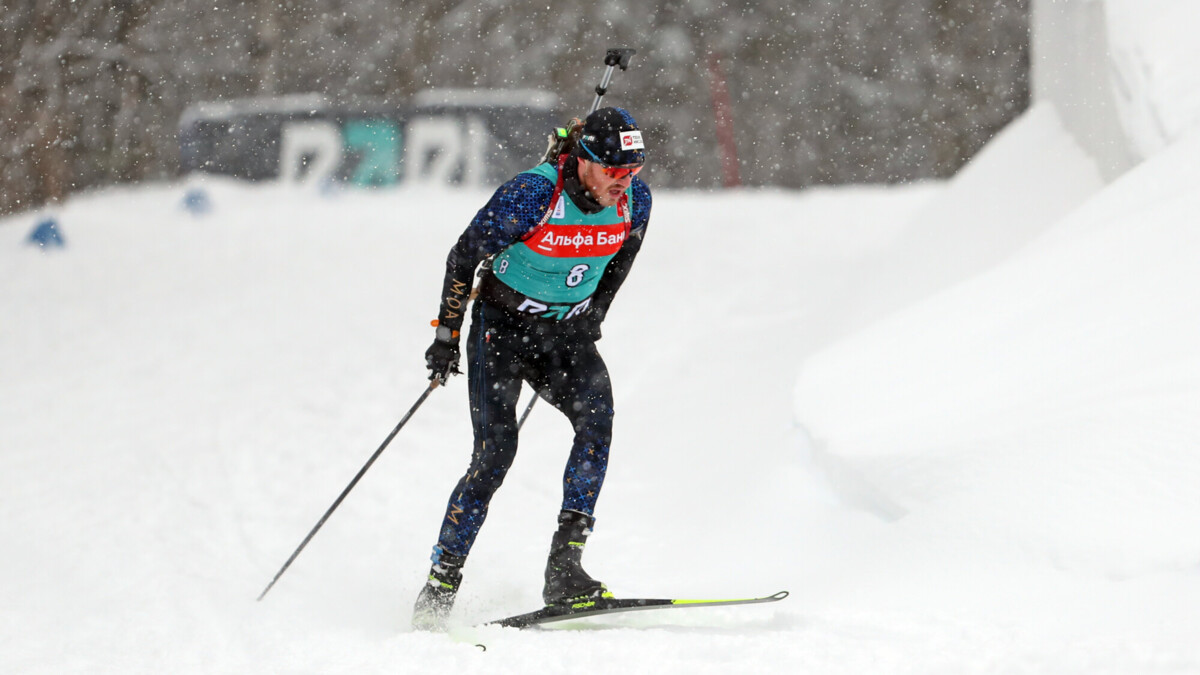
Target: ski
(599, 606)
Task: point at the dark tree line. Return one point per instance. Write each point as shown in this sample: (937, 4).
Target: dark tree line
(820, 91)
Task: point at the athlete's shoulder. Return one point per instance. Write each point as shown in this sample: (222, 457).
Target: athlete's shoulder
(540, 179)
(526, 190)
(639, 191)
(545, 170)
(514, 209)
(638, 184)
(639, 196)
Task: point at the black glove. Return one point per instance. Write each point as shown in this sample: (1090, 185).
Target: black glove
(442, 360)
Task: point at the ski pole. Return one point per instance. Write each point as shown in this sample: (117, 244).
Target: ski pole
(432, 385)
(614, 58)
(528, 409)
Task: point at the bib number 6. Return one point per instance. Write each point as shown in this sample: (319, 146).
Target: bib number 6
(575, 276)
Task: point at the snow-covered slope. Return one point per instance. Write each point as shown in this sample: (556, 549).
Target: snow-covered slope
(1152, 68)
(1050, 401)
(987, 463)
(183, 396)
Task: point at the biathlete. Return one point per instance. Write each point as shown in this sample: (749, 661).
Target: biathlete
(556, 243)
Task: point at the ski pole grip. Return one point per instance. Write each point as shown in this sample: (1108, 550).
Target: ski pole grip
(619, 57)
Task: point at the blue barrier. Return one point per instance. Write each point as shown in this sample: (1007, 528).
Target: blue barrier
(47, 234)
(197, 202)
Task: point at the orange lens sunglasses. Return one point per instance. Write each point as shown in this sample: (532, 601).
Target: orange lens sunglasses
(614, 172)
(619, 172)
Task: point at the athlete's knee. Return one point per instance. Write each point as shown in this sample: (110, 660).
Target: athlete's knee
(593, 414)
(487, 477)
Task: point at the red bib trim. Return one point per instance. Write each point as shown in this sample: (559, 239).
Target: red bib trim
(577, 241)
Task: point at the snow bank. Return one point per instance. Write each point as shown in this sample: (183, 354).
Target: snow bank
(1049, 402)
(1026, 179)
(1155, 81)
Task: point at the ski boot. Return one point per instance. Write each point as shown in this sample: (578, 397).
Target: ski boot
(566, 580)
(437, 595)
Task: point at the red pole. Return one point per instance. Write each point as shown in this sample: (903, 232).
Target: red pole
(723, 115)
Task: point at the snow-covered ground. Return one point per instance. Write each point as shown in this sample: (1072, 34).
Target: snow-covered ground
(957, 421)
(990, 468)
(182, 398)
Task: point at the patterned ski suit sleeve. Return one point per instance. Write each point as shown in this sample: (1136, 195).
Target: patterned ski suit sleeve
(618, 267)
(514, 209)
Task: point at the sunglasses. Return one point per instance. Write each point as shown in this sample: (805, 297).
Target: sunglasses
(619, 172)
(614, 172)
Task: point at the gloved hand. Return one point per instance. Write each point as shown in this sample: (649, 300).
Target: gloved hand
(442, 360)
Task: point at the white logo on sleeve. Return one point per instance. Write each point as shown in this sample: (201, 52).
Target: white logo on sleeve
(632, 140)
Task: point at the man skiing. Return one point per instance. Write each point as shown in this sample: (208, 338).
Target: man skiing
(557, 242)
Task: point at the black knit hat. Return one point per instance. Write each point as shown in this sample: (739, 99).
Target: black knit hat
(611, 137)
